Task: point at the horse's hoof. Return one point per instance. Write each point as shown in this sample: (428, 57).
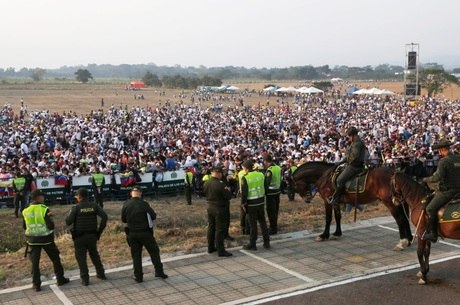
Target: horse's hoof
(319, 238)
(419, 274)
(398, 248)
(421, 281)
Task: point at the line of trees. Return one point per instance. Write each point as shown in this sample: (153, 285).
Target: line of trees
(180, 82)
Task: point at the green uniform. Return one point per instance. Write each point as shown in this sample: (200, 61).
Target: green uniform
(217, 197)
(273, 190)
(355, 164)
(447, 174)
(19, 199)
(188, 186)
(39, 234)
(253, 198)
(85, 233)
(140, 234)
(291, 188)
(98, 184)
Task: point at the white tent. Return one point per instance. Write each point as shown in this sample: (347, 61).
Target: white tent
(271, 88)
(282, 89)
(310, 90)
(387, 92)
(372, 91)
(232, 88)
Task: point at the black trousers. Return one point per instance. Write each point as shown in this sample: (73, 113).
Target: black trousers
(87, 243)
(188, 193)
(137, 240)
(273, 205)
(257, 214)
(217, 228)
(53, 253)
(244, 222)
(98, 198)
(19, 203)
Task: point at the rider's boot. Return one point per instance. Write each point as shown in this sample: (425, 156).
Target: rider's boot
(431, 233)
(334, 199)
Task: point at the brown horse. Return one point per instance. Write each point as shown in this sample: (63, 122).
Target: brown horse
(378, 187)
(407, 190)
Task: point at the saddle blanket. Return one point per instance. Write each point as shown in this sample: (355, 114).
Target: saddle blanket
(350, 185)
(451, 212)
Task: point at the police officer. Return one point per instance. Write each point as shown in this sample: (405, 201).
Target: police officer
(139, 217)
(447, 174)
(244, 223)
(98, 182)
(272, 192)
(217, 195)
(252, 200)
(85, 234)
(354, 159)
(290, 186)
(189, 182)
(39, 233)
(19, 183)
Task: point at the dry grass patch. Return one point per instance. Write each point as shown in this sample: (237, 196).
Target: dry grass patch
(179, 229)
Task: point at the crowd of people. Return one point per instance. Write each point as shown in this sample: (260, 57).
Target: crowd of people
(174, 135)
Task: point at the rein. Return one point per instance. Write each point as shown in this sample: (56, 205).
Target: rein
(401, 198)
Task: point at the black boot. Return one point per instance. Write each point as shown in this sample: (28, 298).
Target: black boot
(431, 233)
(335, 198)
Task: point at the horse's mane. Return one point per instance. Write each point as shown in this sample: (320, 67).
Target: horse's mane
(311, 164)
(411, 188)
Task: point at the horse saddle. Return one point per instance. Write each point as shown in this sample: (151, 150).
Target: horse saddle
(356, 184)
(451, 211)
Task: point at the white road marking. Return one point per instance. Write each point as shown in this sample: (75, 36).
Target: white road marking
(278, 296)
(441, 241)
(61, 296)
(293, 273)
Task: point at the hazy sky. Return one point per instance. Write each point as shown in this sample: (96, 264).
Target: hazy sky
(251, 33)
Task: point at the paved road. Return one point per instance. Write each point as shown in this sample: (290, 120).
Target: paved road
(296, 263)
(398, 288)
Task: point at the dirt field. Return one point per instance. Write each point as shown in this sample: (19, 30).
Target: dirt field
(82, 98)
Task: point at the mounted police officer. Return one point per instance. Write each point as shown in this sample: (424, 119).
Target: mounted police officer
(272, 192)
(86, 233)
(447, 174)
(354, 160)
(40, 235)
(252, 201)
(98, 182)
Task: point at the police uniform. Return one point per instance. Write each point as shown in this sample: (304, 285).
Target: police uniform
(138, 215)
(188, 186)
(85, 234)
(40, 235)
(244, 223)
(291, 188)
(253, 200)
(447, 174)
(217, 197)
(19, 199)
(355, 155)
(98, 183)
(272, 195)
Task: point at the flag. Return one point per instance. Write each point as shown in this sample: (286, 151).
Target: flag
(60, 180)
(127, 180)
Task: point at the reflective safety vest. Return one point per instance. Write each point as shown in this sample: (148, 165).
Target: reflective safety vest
(98, 179)
(188, 178)
(292, 169)
(241, 174)
(206, 177)
(19, 182)
(275, 182)
(34, 217)
(255, 181)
